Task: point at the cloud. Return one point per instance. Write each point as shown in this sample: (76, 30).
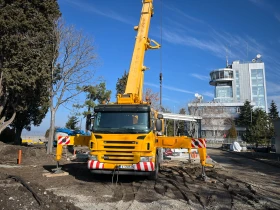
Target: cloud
(272, 88)
(151, 84)
(266, 6)
(272, 65)
(102, 11)
(258, 3)
(170, 99)
(262, 4)
(181, 27)
(177, 89)
(183, 14)
(220, 44)
(275, 98)
(206, 45)
(277, 16)
(169, 88)
(206, 93)
(201, 77)
(238, 46)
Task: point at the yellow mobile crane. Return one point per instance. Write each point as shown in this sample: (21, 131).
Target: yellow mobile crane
(125, 135)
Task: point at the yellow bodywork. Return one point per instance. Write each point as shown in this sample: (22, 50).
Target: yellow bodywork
(126, 149)
(27, 141)
(119, 146)
(182, 142)
(134, 88)
(74, 140)
(30, 141)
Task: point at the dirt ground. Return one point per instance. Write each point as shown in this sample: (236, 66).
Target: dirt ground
(235, 182)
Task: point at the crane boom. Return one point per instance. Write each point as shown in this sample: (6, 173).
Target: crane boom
(126, 136)
(134, 87)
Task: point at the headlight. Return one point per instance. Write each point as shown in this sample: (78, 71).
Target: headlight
(146, 159)
(92, 157)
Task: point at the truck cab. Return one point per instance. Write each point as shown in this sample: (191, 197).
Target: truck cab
(123, 140)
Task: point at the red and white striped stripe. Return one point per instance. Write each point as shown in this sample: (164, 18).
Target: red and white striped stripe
(201, 143)
(144, 166)
(63, 140)
(93, 164)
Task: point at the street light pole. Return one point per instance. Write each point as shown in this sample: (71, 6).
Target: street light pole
(174, 129)
(160, 96)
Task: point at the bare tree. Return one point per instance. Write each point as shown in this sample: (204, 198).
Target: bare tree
(193, 110)
(74, 59)
(152, 97)
(216, 118)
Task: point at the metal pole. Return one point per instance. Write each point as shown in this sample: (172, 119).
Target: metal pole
(160, 93)
(174, 129)
(197, 129)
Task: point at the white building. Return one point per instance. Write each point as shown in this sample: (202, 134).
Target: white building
(238, 82)
(241, 81)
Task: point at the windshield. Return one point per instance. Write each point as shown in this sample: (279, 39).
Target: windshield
(121, 122)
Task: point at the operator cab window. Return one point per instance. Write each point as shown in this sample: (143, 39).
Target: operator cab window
(121, 121)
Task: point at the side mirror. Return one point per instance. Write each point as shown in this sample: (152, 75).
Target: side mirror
(160, 116)
(88, 122)
(158, 125)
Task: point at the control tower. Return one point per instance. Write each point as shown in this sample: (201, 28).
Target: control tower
(222, 80)
(241, 81)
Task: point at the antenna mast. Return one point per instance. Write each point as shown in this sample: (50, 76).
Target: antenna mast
(226, 57)
(247, 49)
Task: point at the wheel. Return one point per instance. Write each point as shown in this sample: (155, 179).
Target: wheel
(70, 148)
(154, 174)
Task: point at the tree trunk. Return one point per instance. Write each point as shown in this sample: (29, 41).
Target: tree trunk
(18, 139)
(52, 127)
(51, 133)
(7, 123)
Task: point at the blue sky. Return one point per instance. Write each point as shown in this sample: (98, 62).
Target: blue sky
(195, 34)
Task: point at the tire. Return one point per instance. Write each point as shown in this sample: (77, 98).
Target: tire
(70, 149)
(154, 174)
